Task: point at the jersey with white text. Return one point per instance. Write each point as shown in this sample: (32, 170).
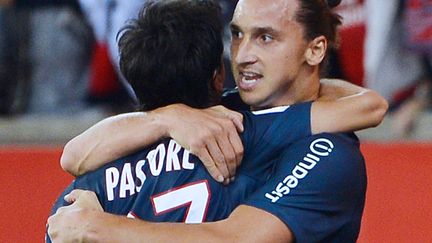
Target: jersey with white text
(317, 189)
(164, 182)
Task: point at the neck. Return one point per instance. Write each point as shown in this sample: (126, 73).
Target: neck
(306, 86)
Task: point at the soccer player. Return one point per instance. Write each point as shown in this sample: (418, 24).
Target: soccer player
(299, 182)
(92, 149)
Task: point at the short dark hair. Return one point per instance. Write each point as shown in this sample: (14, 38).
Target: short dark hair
(318, 18)
(170, 52)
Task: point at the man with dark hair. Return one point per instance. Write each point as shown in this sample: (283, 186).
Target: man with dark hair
(319, 179)
(155, 54)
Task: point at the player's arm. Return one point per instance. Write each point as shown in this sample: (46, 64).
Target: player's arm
(211, 134)
(100, 144)
(246, 224)
(343, 106)
(325, 194)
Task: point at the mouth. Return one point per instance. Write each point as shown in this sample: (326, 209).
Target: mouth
(248, 80)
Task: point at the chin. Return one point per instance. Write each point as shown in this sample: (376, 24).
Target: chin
(253, 103)
(246, 98)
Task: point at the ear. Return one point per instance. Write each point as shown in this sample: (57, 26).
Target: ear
(219, 78)
(316, 51)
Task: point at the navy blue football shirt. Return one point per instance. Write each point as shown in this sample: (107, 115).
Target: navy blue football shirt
(164, 182)
(317, 189)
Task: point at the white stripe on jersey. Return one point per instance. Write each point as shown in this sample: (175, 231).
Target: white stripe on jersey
(276, 109)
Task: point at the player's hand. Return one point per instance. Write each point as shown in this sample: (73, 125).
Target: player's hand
(211, 134)
(83, 199)
(70, 223)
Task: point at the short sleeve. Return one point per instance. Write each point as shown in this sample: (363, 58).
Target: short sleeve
(317, 189)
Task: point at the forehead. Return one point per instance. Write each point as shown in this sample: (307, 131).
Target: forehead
(265, 13)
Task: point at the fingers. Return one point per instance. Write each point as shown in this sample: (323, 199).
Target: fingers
(61, 210)
(50, 230)
(237, 119)
(83, 199)
(233, 149)
(234, 116)
(226, 151)
(237, 146)
(73, 195)
(215, 138)
(217, 154)
(210, 165)
(228, 159)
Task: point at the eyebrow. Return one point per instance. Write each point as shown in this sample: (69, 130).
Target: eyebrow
(262, 30)
(234, 26)
(256, 30)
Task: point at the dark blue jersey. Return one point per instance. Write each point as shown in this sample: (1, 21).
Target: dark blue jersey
(317, 189)
(164, 182)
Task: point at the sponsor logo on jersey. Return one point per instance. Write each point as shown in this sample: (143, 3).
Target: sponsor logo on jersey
(319, 148)
(164, 156)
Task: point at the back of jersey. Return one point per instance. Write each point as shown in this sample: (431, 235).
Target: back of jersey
(166, 183)
(192, 196)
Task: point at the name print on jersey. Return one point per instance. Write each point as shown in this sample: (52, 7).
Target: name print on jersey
(320, 147)
(164, 156)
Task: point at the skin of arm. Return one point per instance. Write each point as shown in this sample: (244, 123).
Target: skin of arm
(84, 221)
(341, 107)
(99, 144)
(217, 144)
(237, 228)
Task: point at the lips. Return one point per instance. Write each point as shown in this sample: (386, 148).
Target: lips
(248, 80)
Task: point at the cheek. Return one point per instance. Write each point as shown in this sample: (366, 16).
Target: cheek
(282, 69)
(282, 64)
(233, 49)
(291, 61)
(233, 55)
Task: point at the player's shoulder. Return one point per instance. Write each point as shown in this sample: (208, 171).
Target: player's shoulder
(278, 126)
(330, 161)
(332, 148)
(344, 140)
(343, 147)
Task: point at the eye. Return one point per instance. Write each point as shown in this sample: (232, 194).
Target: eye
(236, 34)
(266, 38)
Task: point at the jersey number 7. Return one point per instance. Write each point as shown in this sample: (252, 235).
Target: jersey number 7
(195, 196)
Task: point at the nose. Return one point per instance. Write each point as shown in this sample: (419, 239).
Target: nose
(243, 52)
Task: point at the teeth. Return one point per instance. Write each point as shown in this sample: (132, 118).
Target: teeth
(248, 81)
(250, 77)
(249, 74)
